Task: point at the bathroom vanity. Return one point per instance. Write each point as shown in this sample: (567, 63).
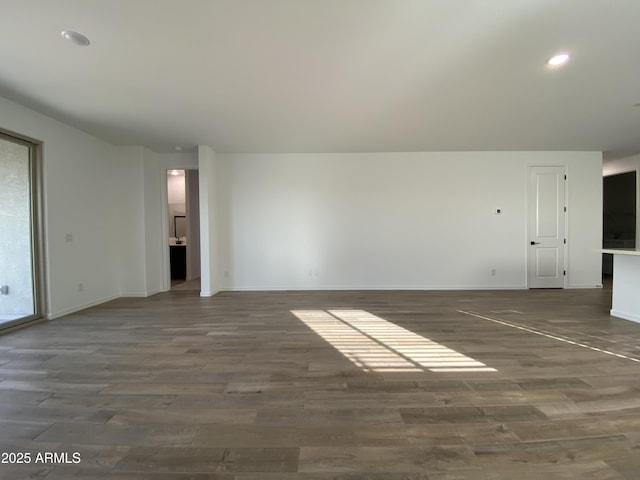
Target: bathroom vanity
(178, 261)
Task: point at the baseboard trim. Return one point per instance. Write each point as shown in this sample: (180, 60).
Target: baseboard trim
(625, 316)
(141, 294)
(380, 288)
(208, 294)
(78, 308)
(84, 306)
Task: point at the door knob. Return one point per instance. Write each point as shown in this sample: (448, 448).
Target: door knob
(535, 243)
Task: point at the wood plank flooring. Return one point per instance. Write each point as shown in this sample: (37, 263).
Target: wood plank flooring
(239, 387)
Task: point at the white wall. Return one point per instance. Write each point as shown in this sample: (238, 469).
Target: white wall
(84, 191)
(131, 212)
(387, 220)
(176, 189)
(176, 196)
(154, 215)
(584, 263)
(210, 228)
(621, 165)
(394, 220)
(112, 200)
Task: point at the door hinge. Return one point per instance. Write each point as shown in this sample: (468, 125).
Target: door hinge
(565, 209)
(565, 177)
(565, 241)
(565, 273)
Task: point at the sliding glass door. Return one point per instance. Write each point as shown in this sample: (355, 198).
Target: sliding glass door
(20, 296)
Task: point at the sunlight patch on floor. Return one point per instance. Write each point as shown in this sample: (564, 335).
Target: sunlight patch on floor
(377, 345)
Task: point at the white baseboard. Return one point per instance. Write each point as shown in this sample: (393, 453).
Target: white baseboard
(626, 316)
(381, 287)
(78, 308)
(140, 294)
(208, 294)
(94, 303)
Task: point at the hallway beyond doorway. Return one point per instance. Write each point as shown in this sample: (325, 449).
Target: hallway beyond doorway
(186, 285)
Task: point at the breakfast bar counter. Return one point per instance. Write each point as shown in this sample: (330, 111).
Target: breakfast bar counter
(626, 283)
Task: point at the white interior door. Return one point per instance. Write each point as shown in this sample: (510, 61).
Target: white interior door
(547, 216)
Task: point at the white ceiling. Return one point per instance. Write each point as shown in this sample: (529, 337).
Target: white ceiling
(332, 75)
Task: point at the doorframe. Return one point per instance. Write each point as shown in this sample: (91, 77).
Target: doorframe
(565, 247)
(164, 221)
(622, 171)
(164, 225)
(38, 243)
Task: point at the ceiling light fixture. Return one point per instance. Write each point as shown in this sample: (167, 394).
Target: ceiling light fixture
(559, 59)
(175, 172)
(178, 149)
(76, 38)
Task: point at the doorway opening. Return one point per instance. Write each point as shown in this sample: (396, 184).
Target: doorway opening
(619, 222)
(21, 292)
(184, 229)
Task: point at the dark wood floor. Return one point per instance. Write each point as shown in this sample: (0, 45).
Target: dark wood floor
(477, 385)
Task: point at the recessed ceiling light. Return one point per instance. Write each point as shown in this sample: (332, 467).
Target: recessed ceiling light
(559, 59)
(175, 172)
(76, 38)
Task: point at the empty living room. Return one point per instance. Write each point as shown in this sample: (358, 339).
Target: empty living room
(319, 240)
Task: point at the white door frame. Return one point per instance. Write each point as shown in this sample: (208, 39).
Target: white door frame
(530, 234)
(38, 275)
(164, 192)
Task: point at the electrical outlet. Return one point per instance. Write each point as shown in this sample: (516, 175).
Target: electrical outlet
(493, 272)
(81, 287)
(4, 290)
